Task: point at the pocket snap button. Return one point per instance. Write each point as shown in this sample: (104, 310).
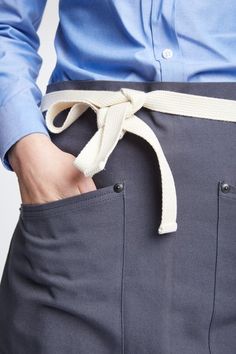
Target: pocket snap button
(225, 187)
(118, 187)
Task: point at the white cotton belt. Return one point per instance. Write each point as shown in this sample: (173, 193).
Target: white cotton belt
(116, 114)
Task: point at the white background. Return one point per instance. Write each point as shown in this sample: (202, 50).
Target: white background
(9, 190)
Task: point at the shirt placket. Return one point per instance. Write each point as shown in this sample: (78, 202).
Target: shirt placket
(166, 47)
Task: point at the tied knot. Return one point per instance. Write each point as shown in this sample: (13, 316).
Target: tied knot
(135, 98)
(134, 101)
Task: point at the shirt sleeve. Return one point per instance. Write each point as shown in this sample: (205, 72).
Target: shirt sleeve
(20, 97)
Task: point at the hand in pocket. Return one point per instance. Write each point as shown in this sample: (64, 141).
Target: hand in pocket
(46, 173)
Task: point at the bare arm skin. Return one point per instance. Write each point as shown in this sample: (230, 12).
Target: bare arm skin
(45, 173)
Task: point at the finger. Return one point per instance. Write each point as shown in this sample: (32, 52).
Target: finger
(86, 184)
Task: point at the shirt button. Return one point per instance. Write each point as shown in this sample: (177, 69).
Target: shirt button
(118, 187)
(167, 53)
(225, 187)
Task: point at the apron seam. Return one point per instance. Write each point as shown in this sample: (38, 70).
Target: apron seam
(215, 276)
(123, 273)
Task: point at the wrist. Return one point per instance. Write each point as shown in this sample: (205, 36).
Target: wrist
(25, 147)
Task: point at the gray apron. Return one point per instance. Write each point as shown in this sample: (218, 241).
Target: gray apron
(89, 274)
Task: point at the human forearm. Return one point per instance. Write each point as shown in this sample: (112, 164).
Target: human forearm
(19, 67)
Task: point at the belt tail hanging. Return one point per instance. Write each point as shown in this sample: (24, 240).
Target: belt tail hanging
(169, 199)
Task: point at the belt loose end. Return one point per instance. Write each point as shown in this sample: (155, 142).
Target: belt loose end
(167, 228)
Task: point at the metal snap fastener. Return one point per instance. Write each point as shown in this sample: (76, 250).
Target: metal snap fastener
(118, 187)
(225, 187)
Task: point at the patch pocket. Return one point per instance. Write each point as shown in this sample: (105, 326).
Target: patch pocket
(72, 252)
(223, 328)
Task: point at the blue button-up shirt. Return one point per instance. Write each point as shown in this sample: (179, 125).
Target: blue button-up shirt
(133, 40)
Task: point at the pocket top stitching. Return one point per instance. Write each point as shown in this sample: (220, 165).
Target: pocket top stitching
(73, 206)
